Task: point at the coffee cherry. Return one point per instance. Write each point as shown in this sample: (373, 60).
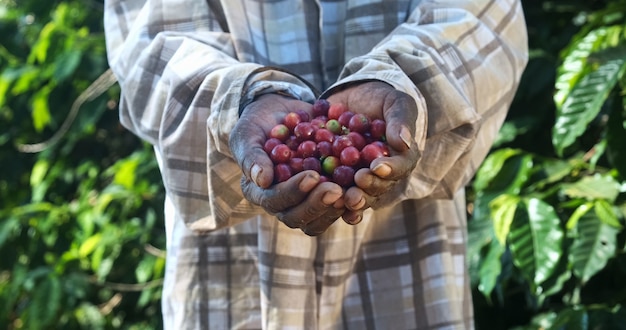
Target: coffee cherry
(383, 147)
(320, 108)
(334, 126)
(335, 110)
(291, 120)
(329, 164)
(270, 144)
(296, 164)
(344, 176)
(292, 142)
(304, 116)
(344, 118)
(323, 134)
(325, 148)
(359, 123)
(304, 131)
(280, 154)
(312, 163)
(307, 149)
(357, 140)
(350, 156)
(282, 172)
(335, 143)
(371, 152)
(319, 122)
(340, 143)
(378, 128)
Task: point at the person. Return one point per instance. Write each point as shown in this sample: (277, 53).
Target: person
(204, 81)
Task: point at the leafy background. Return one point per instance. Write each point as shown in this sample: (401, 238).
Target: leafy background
(81, 225)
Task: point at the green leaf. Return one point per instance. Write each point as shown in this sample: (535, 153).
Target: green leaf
(616, 135)
(480, 234)
(575, 61)
(144, 269)
(492, 166)
(536, 240)
(510, 130)
(39, 52)
(8, 228)
(89, 316)
(89, 245)
(66, 64)
(593, 246)
(96, 257)
(8, 77)
(39, 172)
(26, 80)
(606, 214)
(584, 103)
(105, 268)
(554, 284)
(490, 269)
(125, 174)
(593, 187)
(503, 212)
(41, 111)
(575, 318)
(578, 213)
(45, 302)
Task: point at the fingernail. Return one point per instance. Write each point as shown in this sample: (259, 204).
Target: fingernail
(382, 170)
(359, 205)
(405, 135)
(331, 197)
(356, 220)
(255, 172)
(309, 182)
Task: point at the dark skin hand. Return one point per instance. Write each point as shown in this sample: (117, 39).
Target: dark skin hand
(380, 100)
(302, 202)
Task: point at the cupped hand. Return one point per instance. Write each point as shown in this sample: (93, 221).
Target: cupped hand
(301, 201)
(379, 100)
(250, 133)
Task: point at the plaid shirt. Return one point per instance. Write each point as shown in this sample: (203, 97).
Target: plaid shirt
(186, 68)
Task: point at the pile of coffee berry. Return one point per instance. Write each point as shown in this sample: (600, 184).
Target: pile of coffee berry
(335, 142)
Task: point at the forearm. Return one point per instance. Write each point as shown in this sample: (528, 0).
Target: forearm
(461, 61)
(182, 89)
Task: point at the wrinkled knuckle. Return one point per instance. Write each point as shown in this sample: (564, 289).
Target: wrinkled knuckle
(291, 223)
(247, 189)
(270, 207)
(313, 211)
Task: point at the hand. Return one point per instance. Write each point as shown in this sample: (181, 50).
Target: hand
(380, 100)
(300, 202)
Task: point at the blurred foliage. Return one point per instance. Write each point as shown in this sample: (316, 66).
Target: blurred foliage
(81, 224)
(548, 206)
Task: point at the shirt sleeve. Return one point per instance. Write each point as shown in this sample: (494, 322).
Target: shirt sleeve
(182, 89)
(461, 61)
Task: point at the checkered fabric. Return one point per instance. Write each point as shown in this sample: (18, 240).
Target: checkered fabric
(186, 67)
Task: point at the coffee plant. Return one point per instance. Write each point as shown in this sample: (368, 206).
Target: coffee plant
(547, 239)
(81, 225)
(81, 234)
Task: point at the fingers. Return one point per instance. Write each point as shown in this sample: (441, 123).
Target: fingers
(356, 202)
(300, 202)
(317, 211)
(400, 113)
(248, 137)
(246, 144)
(281, 196)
